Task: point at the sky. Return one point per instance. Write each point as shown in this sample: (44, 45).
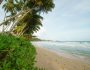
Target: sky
(68, 21)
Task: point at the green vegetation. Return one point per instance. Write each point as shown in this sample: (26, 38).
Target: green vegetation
(16, 53)
(22, 18)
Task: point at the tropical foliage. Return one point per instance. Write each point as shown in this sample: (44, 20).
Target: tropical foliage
(25, 15)
(22, 18)
(16, 53)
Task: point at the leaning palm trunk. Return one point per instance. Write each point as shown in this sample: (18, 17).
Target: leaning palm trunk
(3, 24)
(12, 17)
(22, 30)
(15, 24)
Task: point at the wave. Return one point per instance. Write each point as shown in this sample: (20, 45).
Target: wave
(75, 48)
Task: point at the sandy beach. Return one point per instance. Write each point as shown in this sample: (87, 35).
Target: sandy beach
(52, 61)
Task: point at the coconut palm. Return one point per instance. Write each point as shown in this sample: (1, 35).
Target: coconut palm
(30, 24)
(26, 14)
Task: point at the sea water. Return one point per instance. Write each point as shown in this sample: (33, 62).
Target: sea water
(80, 48)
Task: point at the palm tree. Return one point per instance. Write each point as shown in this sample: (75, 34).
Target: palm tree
(26, 14)
(8, 8)
(30, 24)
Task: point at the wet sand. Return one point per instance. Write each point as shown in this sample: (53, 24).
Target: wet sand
(52, 61)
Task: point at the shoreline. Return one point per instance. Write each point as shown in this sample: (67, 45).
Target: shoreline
(52, 61)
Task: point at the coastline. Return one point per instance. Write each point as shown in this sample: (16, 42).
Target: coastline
(52, 61)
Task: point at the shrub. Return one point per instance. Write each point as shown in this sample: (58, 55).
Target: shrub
(16, 53)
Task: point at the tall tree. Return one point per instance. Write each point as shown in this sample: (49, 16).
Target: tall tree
(26, 14)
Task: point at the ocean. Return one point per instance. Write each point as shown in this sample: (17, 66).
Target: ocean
(80, 49)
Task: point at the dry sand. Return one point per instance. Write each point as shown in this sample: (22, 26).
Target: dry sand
(52, 61)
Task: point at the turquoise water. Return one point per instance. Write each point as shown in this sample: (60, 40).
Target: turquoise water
(75, 48)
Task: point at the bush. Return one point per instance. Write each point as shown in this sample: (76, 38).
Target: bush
(16, 53)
